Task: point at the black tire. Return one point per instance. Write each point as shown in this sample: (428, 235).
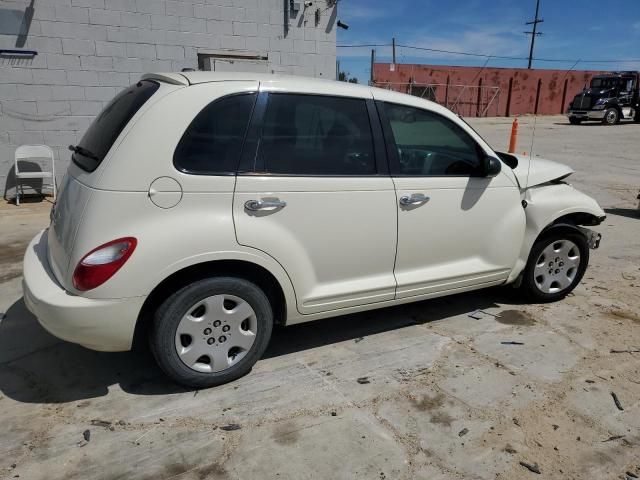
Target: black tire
(611, 116)
(170, 313)
(529, 285)
(575, 121)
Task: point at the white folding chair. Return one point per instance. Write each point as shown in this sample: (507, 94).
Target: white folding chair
(26, 153)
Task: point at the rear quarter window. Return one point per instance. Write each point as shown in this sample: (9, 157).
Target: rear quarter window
(107, 126)
(212, 143)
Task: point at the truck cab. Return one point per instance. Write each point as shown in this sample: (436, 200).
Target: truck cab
(610, 98)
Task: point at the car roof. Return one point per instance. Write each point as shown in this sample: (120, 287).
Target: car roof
(299, 84)
(286, 81)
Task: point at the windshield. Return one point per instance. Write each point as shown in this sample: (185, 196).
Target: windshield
(604, 82)
(106, 127)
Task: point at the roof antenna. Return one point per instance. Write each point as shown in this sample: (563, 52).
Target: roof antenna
(533, 137)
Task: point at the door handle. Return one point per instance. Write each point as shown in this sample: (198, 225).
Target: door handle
(415, 199)
(257, 205)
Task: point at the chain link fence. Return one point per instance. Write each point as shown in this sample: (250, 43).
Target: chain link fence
(465, 100)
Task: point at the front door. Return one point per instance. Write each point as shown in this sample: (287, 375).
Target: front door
(457, 229)
(317, 199)
(626, 97)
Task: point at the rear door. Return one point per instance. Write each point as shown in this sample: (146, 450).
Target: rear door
(314, 193)
(456, 228)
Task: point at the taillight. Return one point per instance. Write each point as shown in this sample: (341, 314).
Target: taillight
(100, 264)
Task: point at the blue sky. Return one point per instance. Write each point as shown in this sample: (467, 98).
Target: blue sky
(573, 29)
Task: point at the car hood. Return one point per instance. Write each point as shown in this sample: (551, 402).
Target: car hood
(596, 92)
(536, 171)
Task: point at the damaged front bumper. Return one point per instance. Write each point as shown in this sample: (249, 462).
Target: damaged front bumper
(593, 238)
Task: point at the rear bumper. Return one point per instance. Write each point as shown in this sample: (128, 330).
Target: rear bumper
(99, 324)
(586, 115)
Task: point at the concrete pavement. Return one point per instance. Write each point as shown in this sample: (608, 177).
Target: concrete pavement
(421, 391)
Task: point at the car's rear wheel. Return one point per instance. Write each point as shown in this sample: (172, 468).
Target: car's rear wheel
(212, 331)
(611, 116)
(556, 265)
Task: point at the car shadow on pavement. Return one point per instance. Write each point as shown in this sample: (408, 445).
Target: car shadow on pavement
(350, 327)
(36, 367)
(624, 212)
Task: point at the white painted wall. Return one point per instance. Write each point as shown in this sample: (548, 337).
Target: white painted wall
(88, 50)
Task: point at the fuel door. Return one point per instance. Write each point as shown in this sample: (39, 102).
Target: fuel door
(165, 192)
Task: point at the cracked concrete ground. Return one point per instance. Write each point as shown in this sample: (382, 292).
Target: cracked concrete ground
(421, 391)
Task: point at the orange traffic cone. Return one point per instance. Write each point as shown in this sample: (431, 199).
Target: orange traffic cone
(513, 142)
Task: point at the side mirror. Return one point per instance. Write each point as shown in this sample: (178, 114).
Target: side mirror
(492, 166)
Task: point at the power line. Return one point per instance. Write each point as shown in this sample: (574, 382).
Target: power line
(468, 54)
(365, 45)
(435, 50)
(484, 55)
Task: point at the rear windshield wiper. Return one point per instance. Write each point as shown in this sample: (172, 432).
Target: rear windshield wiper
(84, 152)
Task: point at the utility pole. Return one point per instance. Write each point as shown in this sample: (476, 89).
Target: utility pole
(373, 59)
(393, 43)
(534, 33)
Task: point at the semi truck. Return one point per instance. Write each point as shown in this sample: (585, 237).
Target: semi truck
(610, 98)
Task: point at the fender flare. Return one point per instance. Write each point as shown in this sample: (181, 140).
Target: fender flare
(207, 260)
(253, 256)
(559, 226)
(552, 227)
(548, 201)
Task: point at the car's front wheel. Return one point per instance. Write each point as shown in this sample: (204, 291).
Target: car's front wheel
(556, 264)
(575, 120)
(212, 331)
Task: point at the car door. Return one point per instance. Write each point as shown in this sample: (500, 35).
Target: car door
(314, 193)
(626, 98)
(457, 228)
(625, 91)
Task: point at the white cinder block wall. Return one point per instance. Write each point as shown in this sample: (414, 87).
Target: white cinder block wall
(88, 50)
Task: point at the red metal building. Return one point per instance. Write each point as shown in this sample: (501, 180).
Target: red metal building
(477, 91)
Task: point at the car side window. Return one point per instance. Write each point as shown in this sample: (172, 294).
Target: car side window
(429, 144)
(628, 88)
(316, 135)
(212, 143)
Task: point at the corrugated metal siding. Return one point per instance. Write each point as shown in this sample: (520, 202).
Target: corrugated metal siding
(524, 85)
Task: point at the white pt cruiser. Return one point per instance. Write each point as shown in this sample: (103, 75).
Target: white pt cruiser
(202, 208)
